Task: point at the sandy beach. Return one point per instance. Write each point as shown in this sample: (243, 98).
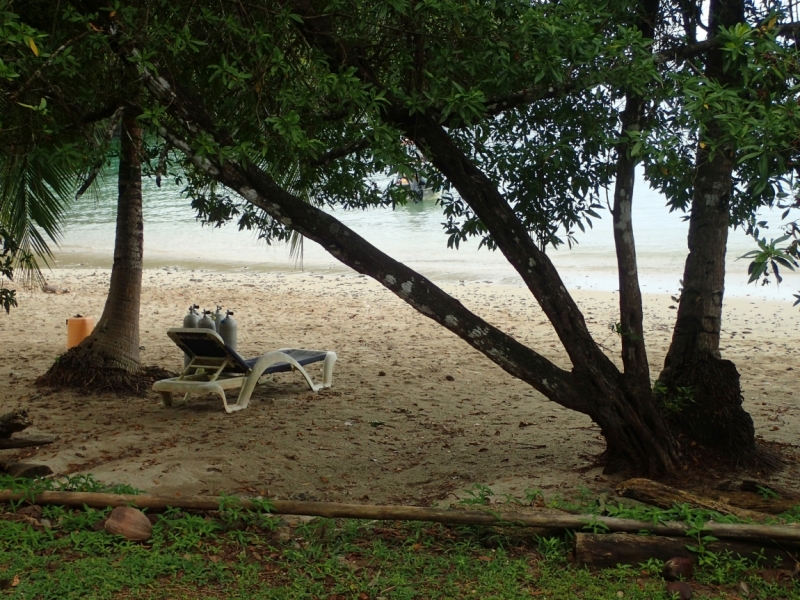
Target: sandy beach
(414, 415)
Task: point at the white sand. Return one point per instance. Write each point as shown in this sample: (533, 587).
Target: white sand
(407, 436)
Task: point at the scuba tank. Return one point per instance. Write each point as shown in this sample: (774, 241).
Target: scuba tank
(206, 322)
(190, 321)
(218, 316)
(227, 330)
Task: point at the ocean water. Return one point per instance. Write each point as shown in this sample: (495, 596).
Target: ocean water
(412, 234)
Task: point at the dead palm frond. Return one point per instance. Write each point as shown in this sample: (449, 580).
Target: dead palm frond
(290, 179)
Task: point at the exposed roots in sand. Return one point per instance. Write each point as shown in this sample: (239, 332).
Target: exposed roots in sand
(84, 371)
(703, 405)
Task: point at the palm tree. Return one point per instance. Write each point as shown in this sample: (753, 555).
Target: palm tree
(58, 117)
(108, 359)
(36, 183)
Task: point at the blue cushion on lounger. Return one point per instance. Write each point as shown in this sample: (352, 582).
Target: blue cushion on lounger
(304, 357)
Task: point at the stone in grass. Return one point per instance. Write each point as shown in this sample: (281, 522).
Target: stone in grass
(677, 568)
(130, 523)
(681, 588)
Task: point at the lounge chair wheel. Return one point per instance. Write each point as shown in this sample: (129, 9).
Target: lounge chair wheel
(166, 399)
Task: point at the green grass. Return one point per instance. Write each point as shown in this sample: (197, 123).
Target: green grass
(250, 554)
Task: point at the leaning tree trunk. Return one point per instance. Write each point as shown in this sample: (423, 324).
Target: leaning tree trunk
(109, 357)
(703, 396)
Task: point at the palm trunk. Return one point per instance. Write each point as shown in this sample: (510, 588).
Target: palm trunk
(109, 357)
(116, 337)
(711, 412)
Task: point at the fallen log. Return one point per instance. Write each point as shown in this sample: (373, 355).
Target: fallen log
(24, 442)
(604, 550)
(758, 487)
(664, 496)
(760, 496)
(333, 510)
(12, 422)
(753, 501)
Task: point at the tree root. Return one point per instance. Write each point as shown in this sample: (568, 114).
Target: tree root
(703, 405)
(81, 371)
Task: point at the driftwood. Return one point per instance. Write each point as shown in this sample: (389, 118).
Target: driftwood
(664, 496)
(12, 422)
(24, 442)
(786, 533)
(751, 494)
(753, 501)
(758, 486)
(604, 550)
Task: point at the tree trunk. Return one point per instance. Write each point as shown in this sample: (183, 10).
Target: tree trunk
(703, 397)
(634, 352)
(631, 314)
(109, 357)
(697, 328)
(116, 337)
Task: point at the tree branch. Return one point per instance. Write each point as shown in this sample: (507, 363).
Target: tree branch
(100, 114)
(692, 50)
(477, 190)
(97, 167)
(631, 313)
(257, 187)
(337, 153)
(497, 105)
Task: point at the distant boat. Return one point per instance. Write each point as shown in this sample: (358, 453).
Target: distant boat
(415, 184)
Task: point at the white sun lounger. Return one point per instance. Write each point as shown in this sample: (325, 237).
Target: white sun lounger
(216, 367)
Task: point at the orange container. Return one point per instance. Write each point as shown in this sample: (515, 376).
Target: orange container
(78, 328)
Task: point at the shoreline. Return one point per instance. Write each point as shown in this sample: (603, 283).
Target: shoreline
(601, 280)
(413, 235)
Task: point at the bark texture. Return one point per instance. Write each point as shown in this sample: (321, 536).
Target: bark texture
(109, 358)
(712, 413)
(631, 314)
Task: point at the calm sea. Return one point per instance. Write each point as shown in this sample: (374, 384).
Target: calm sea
(412, 234)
